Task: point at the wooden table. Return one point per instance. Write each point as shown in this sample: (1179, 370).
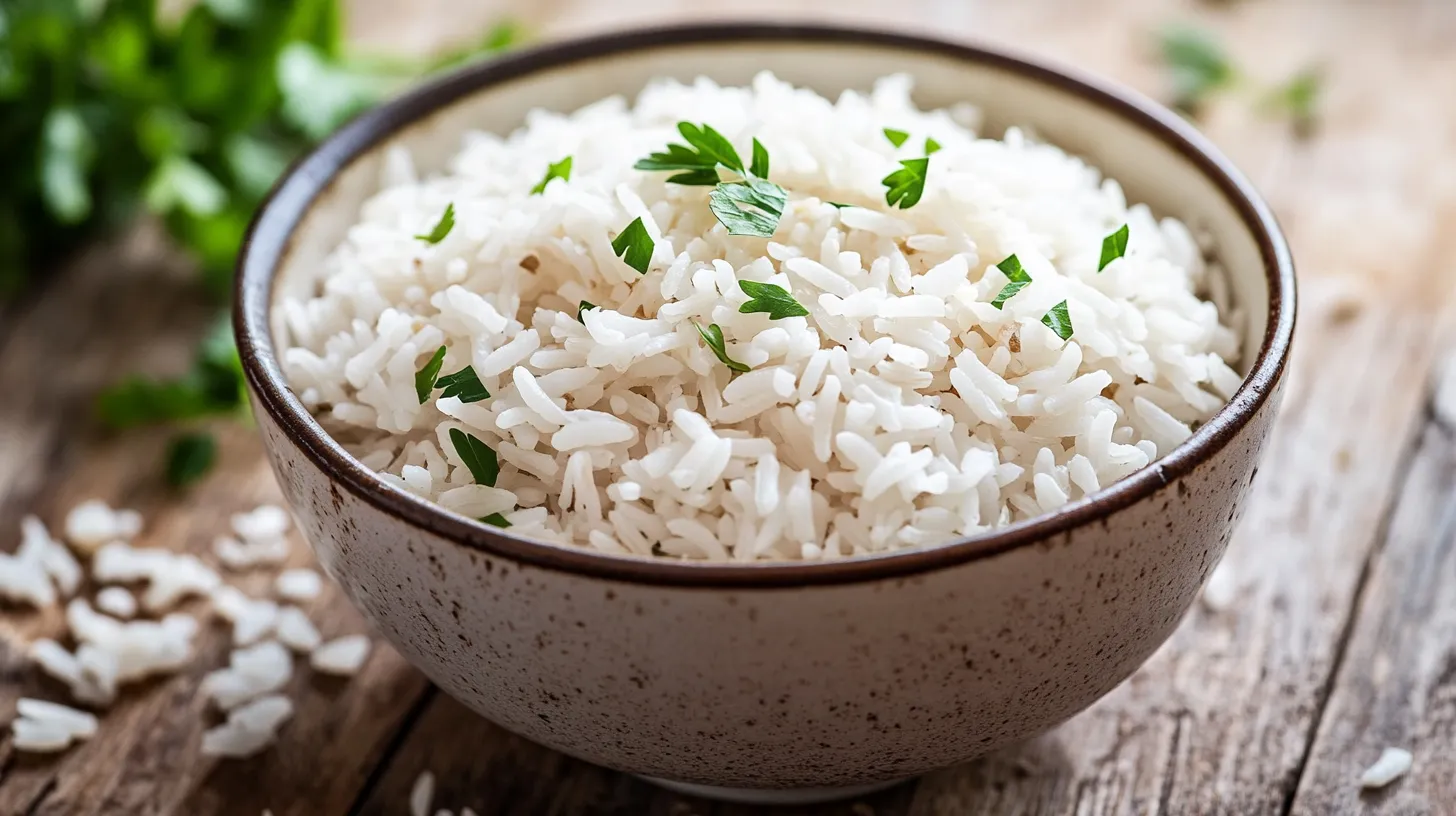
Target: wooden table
(1342, 639)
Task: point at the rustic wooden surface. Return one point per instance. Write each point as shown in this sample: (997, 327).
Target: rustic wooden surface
(1343, 637)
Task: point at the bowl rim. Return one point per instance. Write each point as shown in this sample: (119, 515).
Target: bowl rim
(269, 238)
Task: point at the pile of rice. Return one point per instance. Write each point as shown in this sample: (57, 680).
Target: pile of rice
(905, 410)
(113, 647)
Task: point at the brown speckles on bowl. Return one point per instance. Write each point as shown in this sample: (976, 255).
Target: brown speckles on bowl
(725, 674)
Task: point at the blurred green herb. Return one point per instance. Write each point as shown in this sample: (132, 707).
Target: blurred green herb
(931, 145)
(109, 109)
(496, 520)
(1197, 66)
(189, 457)
(583, 306)
(1299, 100)
(896, 137)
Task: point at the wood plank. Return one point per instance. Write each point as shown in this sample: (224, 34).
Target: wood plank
(119, 311)
(483, 767)
(1397, 682)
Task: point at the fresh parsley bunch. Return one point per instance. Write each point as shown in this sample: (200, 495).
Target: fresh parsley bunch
(109, 110)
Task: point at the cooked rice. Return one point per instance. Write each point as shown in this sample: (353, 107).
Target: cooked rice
(298, 585)
(342, 656)
(905, 410)
(1392, 765)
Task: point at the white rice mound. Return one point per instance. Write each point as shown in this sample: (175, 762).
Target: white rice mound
(905, 410)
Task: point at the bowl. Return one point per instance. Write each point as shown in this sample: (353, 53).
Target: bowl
(778, 682)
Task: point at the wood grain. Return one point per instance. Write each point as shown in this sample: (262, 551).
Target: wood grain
(1341, 639)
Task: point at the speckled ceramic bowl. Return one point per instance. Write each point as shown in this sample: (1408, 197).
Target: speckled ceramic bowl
(789, 681)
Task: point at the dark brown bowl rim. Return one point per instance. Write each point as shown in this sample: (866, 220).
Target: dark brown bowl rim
(270, 235)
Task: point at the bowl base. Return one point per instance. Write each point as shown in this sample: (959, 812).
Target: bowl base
(771, 796)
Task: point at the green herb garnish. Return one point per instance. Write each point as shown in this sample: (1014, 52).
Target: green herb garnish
(896, 137)
(214, 386)
(1058, 320)
(1197, 65)
(561, 170)
(759, 166)
(713, 337)
(1114, 246)
(1018, 277)
(583, 306)
(749, 207)
(463, 384)
(839, 205)
(442, 227)
(1299, 99)
(931, 145)
(189, 457)
(772, 299)
(426, 376)
(477, 456)
(496, 520)
(634, 246)
(904, 187)
(706, 148)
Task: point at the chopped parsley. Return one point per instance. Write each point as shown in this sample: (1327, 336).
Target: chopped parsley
(1017, 276)
(772, 299)
(634, 246)
(583, 306)
(1197, 65)
(713, 337)
(904, 187)
(1114, 246)
(839, 205)
(555, 170)
(931, 145)
(477, 456)
(1058, 320)
(442, 227)
(464, 384)
(189, 457)
(496, 520)
(749, 207)
(426, 376)
(896, 137)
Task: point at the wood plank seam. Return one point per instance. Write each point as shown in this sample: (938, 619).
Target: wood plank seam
(392, 748)
(1406, 470)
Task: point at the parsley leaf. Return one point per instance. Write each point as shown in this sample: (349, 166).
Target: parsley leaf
(426, 376)
(771, 298)
(561, 170)
(713, 337)
(1059, 321)
(583, 306)
(477, 456)
(464, 384)
(904, 187)
(931, 145)
(1018, 277)
(189, 457)
(1197, 65)
(442, 227)
(1114, 246)
(706, 148)
(759, 166)
(896, 137)
(496, 520)
(634, 246)
(749, 207)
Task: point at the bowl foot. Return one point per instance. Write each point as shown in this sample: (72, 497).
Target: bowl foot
(772, 796)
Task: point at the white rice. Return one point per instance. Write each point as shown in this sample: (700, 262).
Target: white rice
(294, 630)
(422, 794)
(251, 673)
(245, 555)
(116, 602)
(343, 656)
(298, 585)
(904, 411)
(249, 728)
(43, 727)
(93, 523)
(1392, 765)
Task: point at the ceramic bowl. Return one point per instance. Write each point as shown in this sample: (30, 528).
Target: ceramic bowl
(779, 681)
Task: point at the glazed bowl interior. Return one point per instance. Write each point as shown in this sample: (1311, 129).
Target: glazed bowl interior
(1159, 160)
